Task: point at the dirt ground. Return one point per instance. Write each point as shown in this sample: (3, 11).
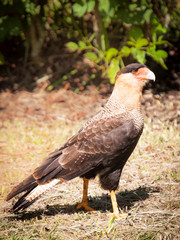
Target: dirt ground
(33, 124)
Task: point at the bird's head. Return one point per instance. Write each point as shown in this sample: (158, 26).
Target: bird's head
(134, 75)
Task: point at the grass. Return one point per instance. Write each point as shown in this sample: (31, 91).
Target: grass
(149, 187)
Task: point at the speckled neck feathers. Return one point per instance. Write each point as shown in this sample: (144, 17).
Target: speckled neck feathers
(125, 100)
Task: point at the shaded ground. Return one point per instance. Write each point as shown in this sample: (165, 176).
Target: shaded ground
(34, 124)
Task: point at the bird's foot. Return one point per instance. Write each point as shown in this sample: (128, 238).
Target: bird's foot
(84, 205)
(118, 215)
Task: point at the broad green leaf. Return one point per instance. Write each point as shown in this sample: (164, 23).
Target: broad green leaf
(132, 6)
(161, 61)
(113, 69)
(160, 42)
(164, 9)
(82, 45)
(111, 52)
(135, 32)
(104, 7)
(90, 5)
(161, 54)
(72, 45)
(151, 50)
(156, 29)
(139, 55)
(125, 51)
(80, 8)
(160, 28)
(141, 42)
(147, 15)
(91, 56)
(158, 56)
(131, 43)
(134, 51)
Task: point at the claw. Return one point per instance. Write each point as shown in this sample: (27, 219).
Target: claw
(85, 206)
(84, 203)
(118, 215)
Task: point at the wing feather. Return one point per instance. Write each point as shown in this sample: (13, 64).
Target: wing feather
(97, 142)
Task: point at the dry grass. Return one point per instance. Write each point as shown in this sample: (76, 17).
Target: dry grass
(149, 188)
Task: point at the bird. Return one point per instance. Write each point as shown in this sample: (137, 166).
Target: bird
(101, 147)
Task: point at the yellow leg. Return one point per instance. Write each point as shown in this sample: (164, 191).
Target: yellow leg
(116, 212)
(84, 203)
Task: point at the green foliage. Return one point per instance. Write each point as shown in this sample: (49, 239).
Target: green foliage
(9, 27)
(141, 27)
(111, 52)
(81, 7)
(63, 78)
(91, 56)
(138, 46)
(31, 7)
(14, 16)
(145, 36)
(73, 46)
(113, 69)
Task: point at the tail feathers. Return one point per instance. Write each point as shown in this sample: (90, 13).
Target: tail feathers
(32, 195)
(50, 164)
(50, 175)
(25, 185)
(22, 203)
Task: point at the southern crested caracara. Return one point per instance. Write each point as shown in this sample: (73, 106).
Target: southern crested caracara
(101, 147)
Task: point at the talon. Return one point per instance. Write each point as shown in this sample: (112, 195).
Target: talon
(84, 203)
(118, 215)
(85, 206)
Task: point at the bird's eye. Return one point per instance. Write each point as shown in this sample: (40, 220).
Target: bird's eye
(135, 70)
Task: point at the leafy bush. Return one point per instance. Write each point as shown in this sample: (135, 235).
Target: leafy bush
(134, 19)
(107, 32)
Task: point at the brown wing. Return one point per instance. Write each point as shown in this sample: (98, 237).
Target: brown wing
(100, 141)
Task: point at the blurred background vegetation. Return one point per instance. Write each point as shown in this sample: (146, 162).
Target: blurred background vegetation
(52, 43)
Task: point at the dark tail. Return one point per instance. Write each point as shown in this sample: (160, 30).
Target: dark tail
(42, 180)
(26, 185)
(33, 192)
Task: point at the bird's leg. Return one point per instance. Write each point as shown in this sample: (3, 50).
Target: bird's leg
(116, 212)
(84, 203)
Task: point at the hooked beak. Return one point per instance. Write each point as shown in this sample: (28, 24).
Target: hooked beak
(150, 76)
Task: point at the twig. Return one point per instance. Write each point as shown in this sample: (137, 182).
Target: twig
(158, 212)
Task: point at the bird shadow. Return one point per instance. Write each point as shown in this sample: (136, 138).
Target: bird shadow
(125, 199)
